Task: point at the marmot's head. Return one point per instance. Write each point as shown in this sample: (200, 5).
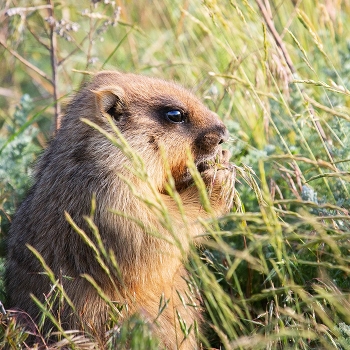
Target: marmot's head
(154, 114)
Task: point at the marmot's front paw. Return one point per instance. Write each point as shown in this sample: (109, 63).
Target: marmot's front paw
(219, 179)
(224, 157)
(215, 171)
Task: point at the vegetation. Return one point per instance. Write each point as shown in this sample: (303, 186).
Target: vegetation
(276, 274)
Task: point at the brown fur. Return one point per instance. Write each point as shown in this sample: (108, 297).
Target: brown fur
(81, 162)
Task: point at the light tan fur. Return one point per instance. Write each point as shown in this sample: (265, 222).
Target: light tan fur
(81, 162)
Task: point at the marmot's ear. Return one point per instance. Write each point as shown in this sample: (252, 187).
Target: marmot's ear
(110, 100)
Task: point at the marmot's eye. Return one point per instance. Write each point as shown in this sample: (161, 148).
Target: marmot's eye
(175, 116)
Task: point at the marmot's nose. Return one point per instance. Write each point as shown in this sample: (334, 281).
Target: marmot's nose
(225, 135)
(209, 140)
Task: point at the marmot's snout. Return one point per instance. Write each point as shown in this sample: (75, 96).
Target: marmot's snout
(209, 140)
(225, 135)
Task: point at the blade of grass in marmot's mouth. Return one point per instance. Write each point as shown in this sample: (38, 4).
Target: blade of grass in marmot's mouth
(208, 163)
(211, 163)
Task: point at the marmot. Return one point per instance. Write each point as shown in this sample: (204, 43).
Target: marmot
(163, 123)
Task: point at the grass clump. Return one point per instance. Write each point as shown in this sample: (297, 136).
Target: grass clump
(275, 273)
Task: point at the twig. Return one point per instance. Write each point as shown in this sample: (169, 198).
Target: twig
(90, 34)
(19, 10)
(72, 52)
(279, 42)
(26, 63)
(276, 36)
(37, 38)
(53, 55)
(327, 109)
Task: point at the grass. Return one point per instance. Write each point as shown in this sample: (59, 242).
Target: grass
(275, 273)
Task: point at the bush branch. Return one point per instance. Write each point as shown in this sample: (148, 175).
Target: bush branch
(54, 65)
(25, 62)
